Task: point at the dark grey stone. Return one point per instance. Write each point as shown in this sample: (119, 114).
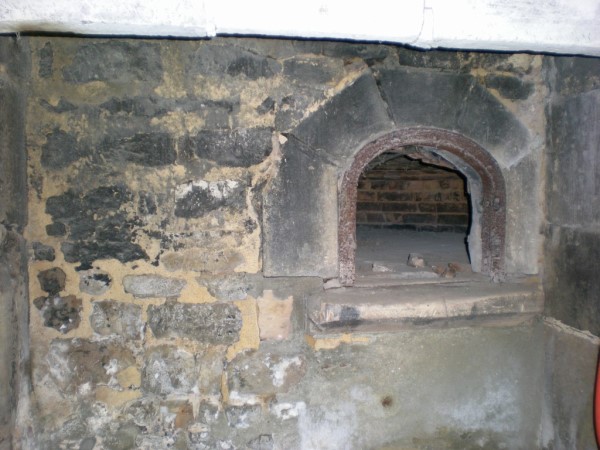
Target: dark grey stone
(571, 277)
(216, 60)
(169, 370)
(340, 126)
(94, 282)
(52, 280)
(97, 229)
(215, 323)
(232, 148)
(115, 61)
(267, 106)
(123, 319)
(571, 75)
(510, 87)
(573, 165)
(56, 229)
(200, 198)
(42, 252)
(60, 313)
(88, 443)
(62, 106)
(153, 286)
(46, 60)
(434, 59)
(305, 244)
(370, 53)
(146, 149)
(452, 102)
(310, 70)
(291, 108)
(60, 150)
(123, 439)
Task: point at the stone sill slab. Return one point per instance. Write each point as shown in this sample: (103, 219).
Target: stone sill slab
(409, 306)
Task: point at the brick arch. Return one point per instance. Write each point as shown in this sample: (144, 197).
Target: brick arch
(492, 197)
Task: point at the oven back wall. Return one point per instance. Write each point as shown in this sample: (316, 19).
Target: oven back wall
(151, 322)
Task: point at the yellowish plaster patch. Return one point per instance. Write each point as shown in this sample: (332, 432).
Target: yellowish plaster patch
(114, 398)
(250, 333)
(334, 342)
(274, 316)
(129, 377)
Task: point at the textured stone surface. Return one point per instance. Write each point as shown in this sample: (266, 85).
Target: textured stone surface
(453, 102)
(73, 363)
(52, 280)
(264, 373)
(94, 281)
(145, 149)
(115, 62)
(42, 252)
(341, 125)
(197, 198)
(95, 225)
(236, 286)
(122, 319)
(60, 150)
(216, 60)
(169, 370)
(216, 323)
(233, 148)
(60, 313)
(46, 60)
(510, 87)
(147, 286)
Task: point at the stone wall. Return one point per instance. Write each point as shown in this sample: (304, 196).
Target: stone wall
(168, 178)
(14, 67)
(572, 244)
(405, 194)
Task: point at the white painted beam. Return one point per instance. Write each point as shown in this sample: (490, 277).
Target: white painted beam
(556, 26)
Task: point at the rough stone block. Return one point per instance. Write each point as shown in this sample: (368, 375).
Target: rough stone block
(197, 198)
(95, 226)
(453, 102)
(235, 286)
(216, 60)
(243, 416)
(74, 363)
(214, 323)
(305, 243)
(60, 313)
(52, 280)
(153, 286)
(114, 61)
(60, 150)
(231, 148)
(169, 370)
(42, 252)
(262, 442)
(146, 149)
(122, 319)
(94, 281)
(572, 75)
(264, 373)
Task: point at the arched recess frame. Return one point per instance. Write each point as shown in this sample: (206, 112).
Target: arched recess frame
(492, 196)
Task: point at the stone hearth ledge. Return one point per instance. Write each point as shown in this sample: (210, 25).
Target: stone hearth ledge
(409, 306)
